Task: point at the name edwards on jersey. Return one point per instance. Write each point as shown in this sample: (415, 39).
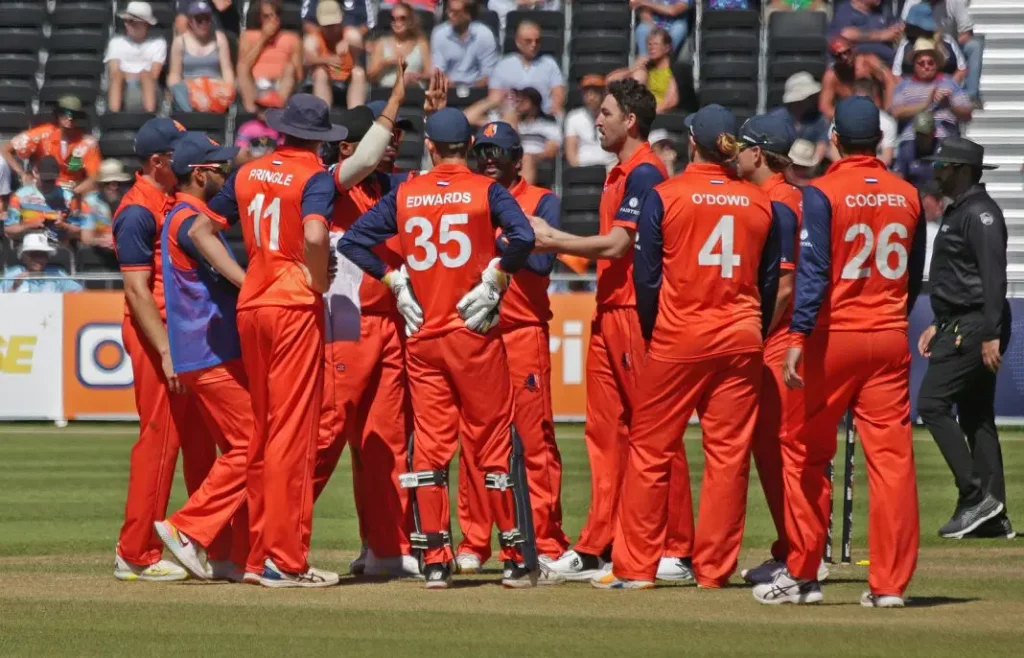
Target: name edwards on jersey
(438, 199)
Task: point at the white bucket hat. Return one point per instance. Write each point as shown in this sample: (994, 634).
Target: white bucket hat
(800, 86)
(36, 242)
(139, 11)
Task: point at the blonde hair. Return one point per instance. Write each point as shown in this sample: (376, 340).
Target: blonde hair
(727, 147)
(777, 162)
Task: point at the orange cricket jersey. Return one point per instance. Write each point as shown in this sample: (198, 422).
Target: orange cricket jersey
(614, 277)
(350, 204)
(526, 301)
(714, 228)
(873, 218)
(446, 239)
(780, 191)
(270, 193)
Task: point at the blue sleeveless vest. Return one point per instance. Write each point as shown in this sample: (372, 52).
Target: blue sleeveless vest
(201, 304)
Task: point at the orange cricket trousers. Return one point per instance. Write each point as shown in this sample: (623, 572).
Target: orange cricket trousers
(283, 352)
(529, 363)
(460, 379)
(723, 390)
(222, 397)
(166, 423)
(767, 449)
(615, 352)
(365, 405)
(870, 373)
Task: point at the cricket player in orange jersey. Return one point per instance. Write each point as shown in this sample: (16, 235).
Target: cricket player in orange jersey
(457, 368)
(862, 247)
(365, 389)
(288, 198)
(523, 325)
(207, 357)
(706, 274)
(616, 347)
(160, 398)
(763, 158)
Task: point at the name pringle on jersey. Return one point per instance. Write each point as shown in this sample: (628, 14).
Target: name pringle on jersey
(438, 199)
(875, 200)
(720, 200)
(265, 176)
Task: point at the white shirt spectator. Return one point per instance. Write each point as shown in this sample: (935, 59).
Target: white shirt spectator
(514, 72)
(136, 57)
(5, 178)
(536, 134)
(580, 124)
(503, 7)
(890, 131)
(464, 59)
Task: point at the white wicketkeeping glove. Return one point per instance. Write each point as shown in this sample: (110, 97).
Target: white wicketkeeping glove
(398, 282)
(479, 307)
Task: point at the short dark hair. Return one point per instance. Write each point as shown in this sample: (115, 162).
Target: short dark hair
(636, 99)
(662, 33)
(867, 87)
(859, 146)
(446, 150)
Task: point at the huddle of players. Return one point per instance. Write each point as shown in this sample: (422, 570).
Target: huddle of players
(698, 320)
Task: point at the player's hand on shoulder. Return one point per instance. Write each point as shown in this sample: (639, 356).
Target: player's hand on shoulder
(405, 299)
(479, 307)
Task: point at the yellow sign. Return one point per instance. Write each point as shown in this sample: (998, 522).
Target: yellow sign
(16, 354)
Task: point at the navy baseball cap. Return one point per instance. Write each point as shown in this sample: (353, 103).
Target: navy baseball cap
(856, 120)
(358, 121)
(196, 148)
(499, 134)
(158, 135)
(771, 132)
(709, 122)
(377, 107)
(449, 126)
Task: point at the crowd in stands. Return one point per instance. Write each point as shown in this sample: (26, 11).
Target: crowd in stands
(921, 65)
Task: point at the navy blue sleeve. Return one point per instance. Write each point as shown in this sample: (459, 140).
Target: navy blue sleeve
(915, 271)
(768, 268)
(812, 272)
(186, 243)
(785, 221)
(507, 215)
(639, 184)
(549, 208)
(372, 228)
(391, 181)
(647, 258)
(225, 203)
(135, 236)
(318, 196)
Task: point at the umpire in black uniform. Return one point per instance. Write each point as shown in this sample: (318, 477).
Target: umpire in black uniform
(965, 343)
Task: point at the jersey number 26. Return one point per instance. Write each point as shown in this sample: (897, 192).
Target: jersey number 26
(858, 267)
(423, 232)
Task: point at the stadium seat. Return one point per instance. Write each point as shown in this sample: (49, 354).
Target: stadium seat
(729, 66)
(614, 17)
(20, 40)
(581, 199)
(87, 91)
(16, 94)
(491, 20)
(674, 122)
(123, 121)
(736, 18)
(118, 144)
(19, 67)
(579, 177)
(463, 97)
(23, 14)
(214, 125)
(410, 154)
(81, 14)
(797, 31)
(734, 94)
(12, 122)
(78, 41)
(600, 50)
(75, 67)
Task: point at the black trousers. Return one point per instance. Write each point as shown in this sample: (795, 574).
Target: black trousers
(957, 376)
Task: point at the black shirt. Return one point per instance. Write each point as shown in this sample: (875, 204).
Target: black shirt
(968, 269)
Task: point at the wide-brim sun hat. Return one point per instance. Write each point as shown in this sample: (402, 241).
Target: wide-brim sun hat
(305, 116)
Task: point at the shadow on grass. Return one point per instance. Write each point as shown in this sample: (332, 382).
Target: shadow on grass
(935, 601)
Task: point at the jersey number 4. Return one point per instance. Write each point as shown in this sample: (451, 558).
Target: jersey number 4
(257, 213)
(423, 231)
(858, 267)
(726, 259)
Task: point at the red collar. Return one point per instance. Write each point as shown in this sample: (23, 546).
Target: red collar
(640, 155)
(709, 169)
(856, 162)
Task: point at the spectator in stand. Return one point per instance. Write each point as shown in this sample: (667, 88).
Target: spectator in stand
(333, 72)
(268, 58)
(805, 158)
(665, 148)
(200, 74)
(582, 146)
(36, 274)
(847, 68)
(98, 213)
(890, 131)
(406, 41)
(800, 104)
(927, 90)
(526, 68)
(910, 163)
(255, 138)
(76, 151)
(538, 132)
(862, 23)
(728, 5)
(654, 71)
(42, 205)
(5, 187)
(797, 5)
(669, 15)
(503, 7)
(226, 16)
(954, 19)
(134, 61)
(358, 20)
(920, 24)
(429, 6)
(464, 49)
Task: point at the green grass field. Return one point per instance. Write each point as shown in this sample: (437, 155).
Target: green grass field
(62, 497)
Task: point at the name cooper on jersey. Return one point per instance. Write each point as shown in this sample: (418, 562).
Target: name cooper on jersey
(875, 200)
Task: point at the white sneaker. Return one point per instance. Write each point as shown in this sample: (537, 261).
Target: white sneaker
(275, 577)
(869, 600)
(162, 571)
(251, 578)
(467, 563)
(608, 580)
(785, 589)
(185, 550)
(399, 566)
(226, 570)
(358, 565)
(823, 571)
(577, 568)
(678, 569)
(764, 572)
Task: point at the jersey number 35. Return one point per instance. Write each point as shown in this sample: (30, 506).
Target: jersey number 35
(422, 232)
